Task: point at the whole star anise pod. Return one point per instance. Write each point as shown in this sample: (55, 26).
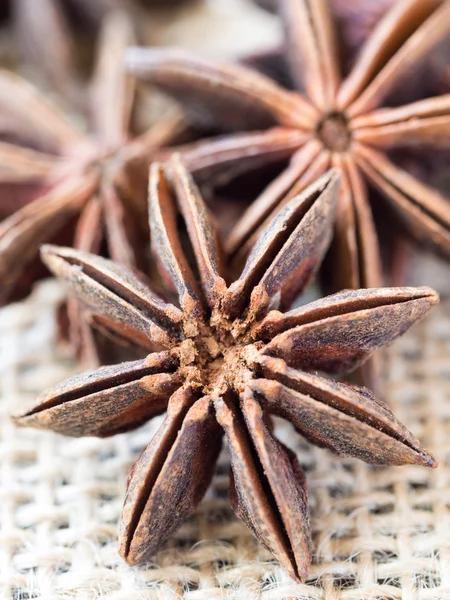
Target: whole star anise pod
(231, 357)
(94, 184)
(340, 122)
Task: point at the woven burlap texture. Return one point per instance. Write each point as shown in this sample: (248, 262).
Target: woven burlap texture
(378, 532)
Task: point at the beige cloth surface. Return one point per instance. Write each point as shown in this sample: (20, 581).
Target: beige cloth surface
(379, 533)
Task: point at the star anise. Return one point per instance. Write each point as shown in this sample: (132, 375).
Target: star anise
(231, 357)
(340, 122)
(97, 180)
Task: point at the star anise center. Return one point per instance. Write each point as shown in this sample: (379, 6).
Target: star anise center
(106, 161)
(334, 132)
(92, 156)
(215, 363)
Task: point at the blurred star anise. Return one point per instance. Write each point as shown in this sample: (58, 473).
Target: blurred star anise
(55, 37)
(231, 357)
(46, 33)
(94, 184)
(340, 122)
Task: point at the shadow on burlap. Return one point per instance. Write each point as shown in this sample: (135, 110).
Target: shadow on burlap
(379, 533)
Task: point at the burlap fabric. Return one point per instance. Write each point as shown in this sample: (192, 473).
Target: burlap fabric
(379, 533)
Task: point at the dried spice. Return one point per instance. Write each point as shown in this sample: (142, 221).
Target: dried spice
(339, 122)
(98, 180)
(230, 356)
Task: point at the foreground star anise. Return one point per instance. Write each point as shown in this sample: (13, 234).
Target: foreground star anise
(95, 181)
(340, 122)
(230, 357)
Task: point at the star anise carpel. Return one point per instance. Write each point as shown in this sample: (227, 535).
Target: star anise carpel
(337, 120)
(88, 188)
(231, 354)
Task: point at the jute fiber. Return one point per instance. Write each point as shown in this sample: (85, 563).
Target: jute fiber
(379, 533)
